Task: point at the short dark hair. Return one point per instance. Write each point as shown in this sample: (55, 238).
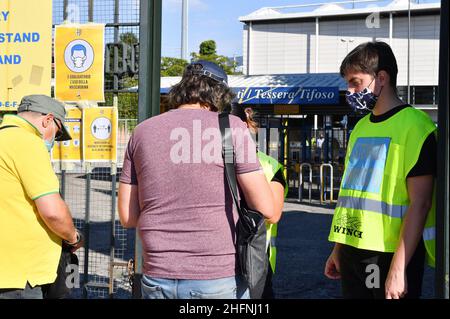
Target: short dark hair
(194, 88)
(370, 58)
(79, 47)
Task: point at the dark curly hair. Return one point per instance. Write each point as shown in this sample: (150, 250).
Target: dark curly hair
(200, 89)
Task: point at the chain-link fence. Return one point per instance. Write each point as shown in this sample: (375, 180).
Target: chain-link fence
(90, 190)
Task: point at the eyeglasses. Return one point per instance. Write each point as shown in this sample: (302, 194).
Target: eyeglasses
(59, 133)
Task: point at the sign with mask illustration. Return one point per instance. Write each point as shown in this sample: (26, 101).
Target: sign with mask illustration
(79, 62)
(100, 134)
(70, 151)
(25, 50)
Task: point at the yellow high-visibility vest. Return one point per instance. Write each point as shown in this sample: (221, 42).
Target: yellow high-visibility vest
(373, 198)
(270, 167)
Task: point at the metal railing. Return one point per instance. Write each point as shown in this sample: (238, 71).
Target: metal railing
(300, 185)
(323, 186)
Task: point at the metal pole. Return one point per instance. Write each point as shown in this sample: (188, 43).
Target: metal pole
(409, 49)
(249, 46)
(87, 220)
(150, 59)
(442, 190)
(184, 29)
(316, 58)
(316, 54)
(116, 54)
(91, 11)
(65, 5)
(113, 229)
(113, 165)
(300, 186)
(63, 183)
(149, 90)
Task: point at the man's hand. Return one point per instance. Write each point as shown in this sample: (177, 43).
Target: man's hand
(396, 286)
(76, 243)
(332, 266)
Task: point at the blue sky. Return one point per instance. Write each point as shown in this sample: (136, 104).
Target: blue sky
(219, 20)
(212, 19)
(208, 19)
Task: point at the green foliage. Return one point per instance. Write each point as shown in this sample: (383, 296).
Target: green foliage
(128, 38)
(208, 52)
(128, 104)
(208, 47)
(172, 66)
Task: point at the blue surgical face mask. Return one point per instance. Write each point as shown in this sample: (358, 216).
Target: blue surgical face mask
(49, 144)
(362, 101)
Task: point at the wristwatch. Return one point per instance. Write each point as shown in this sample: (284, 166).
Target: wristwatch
(79, 238)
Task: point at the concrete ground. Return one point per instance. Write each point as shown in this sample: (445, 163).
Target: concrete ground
(303, 249)
(302, 245)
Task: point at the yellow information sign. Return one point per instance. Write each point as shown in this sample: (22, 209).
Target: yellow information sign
(100, 134)
(25, 50)
(70, 151)
(79, 61)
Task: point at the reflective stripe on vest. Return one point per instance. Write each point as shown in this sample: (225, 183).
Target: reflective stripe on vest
(429, 233)
(396, 211)
(373, 197)
(273, 242)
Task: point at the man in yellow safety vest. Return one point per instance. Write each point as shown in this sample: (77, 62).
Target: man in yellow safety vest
(383, 225)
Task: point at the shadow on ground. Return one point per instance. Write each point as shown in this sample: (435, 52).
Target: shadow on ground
(303, 249)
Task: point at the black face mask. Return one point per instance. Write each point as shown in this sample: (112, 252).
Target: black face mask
(363, 101)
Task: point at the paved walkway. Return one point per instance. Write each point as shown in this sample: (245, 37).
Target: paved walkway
(303, 249)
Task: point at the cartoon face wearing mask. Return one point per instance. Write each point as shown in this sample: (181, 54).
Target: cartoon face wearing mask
(364, 100)
(78, 56)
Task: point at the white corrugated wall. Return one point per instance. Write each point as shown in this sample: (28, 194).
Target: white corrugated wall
(288, 48)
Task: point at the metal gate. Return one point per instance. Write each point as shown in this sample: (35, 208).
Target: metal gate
(297, 145)
(90, 190)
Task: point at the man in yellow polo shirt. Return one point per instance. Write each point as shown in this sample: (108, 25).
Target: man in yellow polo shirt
(33, 217)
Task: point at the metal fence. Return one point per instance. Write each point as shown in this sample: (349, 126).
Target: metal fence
(90, 190)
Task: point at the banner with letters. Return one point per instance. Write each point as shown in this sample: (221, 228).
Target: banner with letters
(287, 95)
(79, 62)
(25, 50)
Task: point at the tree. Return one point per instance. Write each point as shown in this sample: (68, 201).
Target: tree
(208, 52)
(128, 101)
(172, 66)
(128, 38)
(208, 47)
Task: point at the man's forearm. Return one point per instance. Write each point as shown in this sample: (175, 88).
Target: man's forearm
(59, 220)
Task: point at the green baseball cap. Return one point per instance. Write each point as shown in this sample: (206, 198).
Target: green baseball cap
(46, 105)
